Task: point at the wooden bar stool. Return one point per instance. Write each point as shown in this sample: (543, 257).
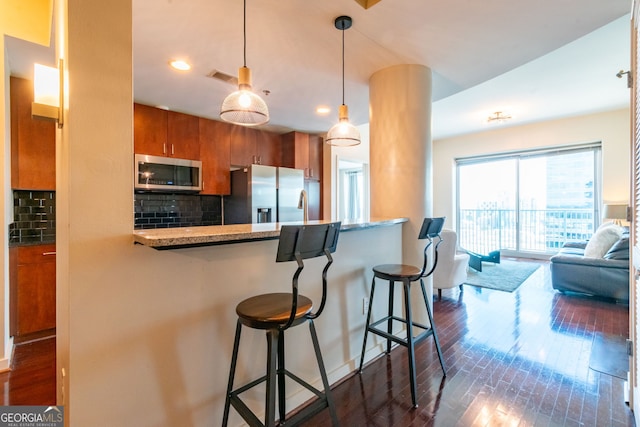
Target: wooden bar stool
(407, 274)
(277, 312)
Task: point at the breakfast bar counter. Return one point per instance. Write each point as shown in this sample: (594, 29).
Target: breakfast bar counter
(184, 237)
(196, 276)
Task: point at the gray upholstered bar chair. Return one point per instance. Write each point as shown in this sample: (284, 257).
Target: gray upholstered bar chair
(406, 274)
(277, 312)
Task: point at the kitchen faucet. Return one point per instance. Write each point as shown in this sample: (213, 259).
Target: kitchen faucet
(303, 203)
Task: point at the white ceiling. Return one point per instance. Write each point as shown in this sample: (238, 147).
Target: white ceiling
(542, 59)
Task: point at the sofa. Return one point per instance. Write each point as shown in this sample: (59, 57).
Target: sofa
(598, 267)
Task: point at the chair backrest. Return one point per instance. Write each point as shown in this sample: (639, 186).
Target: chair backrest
(309, 241)
(431, 228)
(299, 242)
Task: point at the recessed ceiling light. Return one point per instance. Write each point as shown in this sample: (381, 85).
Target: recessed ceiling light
(179, 64)
(322, 110)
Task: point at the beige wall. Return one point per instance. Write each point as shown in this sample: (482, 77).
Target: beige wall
(611, 128)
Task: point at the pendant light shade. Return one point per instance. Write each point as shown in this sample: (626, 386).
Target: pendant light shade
(343, 134)
(244, 107)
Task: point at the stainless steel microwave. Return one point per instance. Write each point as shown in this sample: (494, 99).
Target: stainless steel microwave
(167, 174)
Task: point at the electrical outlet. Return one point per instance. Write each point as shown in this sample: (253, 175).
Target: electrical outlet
(365, 305)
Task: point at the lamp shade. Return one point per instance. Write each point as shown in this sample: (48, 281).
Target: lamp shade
(612, 211)
(343, 134)
(243, 107)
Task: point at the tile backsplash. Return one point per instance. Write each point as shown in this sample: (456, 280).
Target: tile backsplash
(34, 217)
(158, 210)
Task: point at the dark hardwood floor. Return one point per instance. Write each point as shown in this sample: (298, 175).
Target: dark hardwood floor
(513, 359)
(32, 378)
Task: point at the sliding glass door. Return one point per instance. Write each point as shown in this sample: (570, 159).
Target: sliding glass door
(528, 202)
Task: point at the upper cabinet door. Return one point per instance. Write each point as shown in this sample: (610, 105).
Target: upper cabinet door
(33, 142)
(214, 153)
(268, 148)
(182, 136)
(149, 130)
(243, 146)
(315, 157)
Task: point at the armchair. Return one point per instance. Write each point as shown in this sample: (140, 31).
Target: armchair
(451, 270)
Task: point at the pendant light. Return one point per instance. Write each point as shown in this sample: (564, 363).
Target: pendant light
(343, 133)
(243, 107)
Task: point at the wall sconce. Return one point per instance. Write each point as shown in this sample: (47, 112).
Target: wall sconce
(48, 93)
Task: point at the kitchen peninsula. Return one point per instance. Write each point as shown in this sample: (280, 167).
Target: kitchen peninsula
(208, 270)
(182, 237)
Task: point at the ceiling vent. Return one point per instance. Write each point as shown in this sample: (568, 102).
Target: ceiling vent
(227, 78)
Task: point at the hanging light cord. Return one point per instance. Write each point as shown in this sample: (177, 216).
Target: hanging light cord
(343, 64)
(244, 33)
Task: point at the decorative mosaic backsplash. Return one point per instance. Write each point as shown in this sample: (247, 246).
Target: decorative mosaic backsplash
(156, 210)
(34, 217)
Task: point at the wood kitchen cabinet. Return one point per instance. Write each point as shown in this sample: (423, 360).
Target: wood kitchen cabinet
(33, 142)
(253, 146)
(315, 157)
(268, 147)
(303, 151)
(159, 132)
(295, 151)
(242, 142)
(32, 301)
(214, 140)
(314, 197)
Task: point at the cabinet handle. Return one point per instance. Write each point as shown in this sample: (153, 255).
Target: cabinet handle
(310, 172)
(259, 160)
(172, 150)
(164, 148)
(48, 253)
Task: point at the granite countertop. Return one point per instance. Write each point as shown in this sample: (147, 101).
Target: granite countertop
(181, 237)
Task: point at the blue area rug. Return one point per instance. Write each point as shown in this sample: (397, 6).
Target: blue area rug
(506, 276)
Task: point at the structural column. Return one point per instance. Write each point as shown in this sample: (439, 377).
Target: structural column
(400, 151)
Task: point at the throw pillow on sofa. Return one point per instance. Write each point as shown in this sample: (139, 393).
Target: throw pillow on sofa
(602, 241)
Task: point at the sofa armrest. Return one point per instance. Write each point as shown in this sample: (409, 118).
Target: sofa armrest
(593, 262)
(580, 245)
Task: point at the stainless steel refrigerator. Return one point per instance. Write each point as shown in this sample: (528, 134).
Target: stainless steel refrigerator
(290, 185)
(264, 194)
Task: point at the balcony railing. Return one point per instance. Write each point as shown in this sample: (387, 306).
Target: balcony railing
(536, 230)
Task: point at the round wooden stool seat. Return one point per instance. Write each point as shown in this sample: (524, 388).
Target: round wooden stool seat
(397, 271)
(267, 311)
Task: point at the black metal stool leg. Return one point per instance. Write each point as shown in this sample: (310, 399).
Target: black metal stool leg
(232, 372)
(410, 348)
(390, 314)
(323, 374)
(282, 406)
(366, 326)
(433, 328)
(270, 398)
